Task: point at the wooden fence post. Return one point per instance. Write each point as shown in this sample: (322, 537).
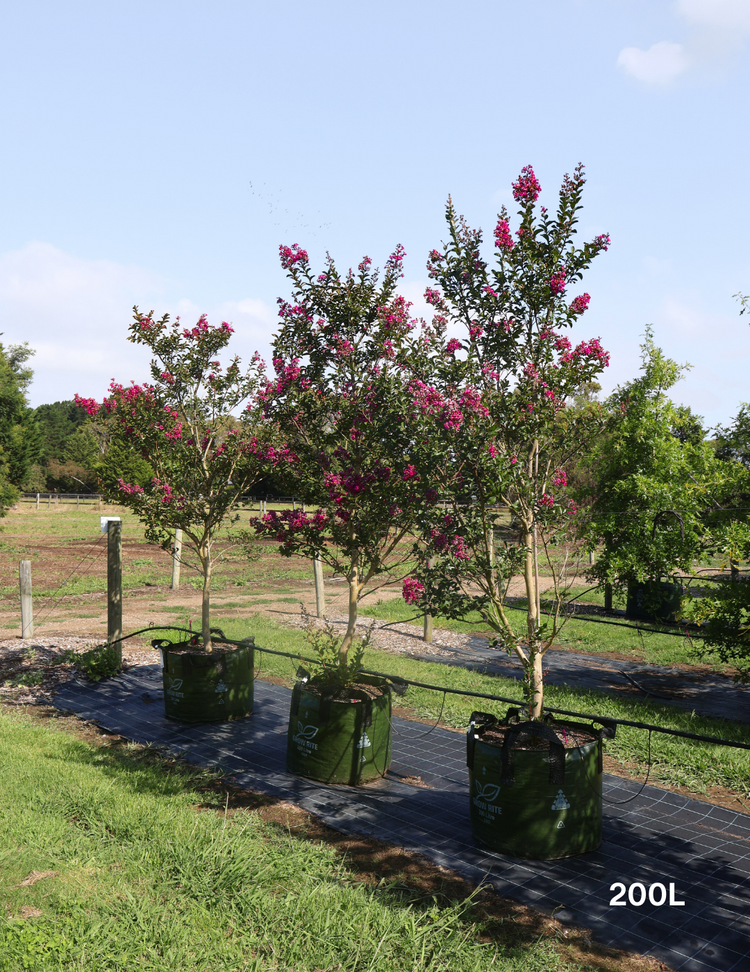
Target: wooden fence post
(320, 596)
(27, 611)
(37, 500)
(114, 580)
(176, 559)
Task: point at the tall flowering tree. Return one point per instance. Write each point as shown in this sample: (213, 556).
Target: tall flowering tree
(495, 399)
(182, 422)
(338, 400)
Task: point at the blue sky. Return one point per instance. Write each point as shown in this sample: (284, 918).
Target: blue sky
(157, 153)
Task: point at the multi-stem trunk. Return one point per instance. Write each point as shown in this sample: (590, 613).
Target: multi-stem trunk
(205, 555)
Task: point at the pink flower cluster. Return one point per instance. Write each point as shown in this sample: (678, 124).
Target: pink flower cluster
(475, 330)
(129, 490)
(590, 350)
(90, 405)
(547, 500)
(471, 401)
(455, 545)
(412, 590)
(292, 254)
(560, 478)
(395, 316)
(432, 296)
(200, 330)
(409, 473)
(453, 345)
(602, 242)
(344, 348)
(526, 188)
(580, 304)
(557, 281)
(503, 239)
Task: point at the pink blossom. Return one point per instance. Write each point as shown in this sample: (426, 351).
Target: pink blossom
(547, 500)
(291, 255)
(432, 296)
(560, 478)
(492, 450)
(128, 489)
(453, 345)
(557, 281)
(90, 405)
(503, 239)
(602, 242)
(475, 330)
(412, 590)
(409, 473)
(526, 188)
(579, 304)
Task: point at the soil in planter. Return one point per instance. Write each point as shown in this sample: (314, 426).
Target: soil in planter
(535, 817)
(571, 737)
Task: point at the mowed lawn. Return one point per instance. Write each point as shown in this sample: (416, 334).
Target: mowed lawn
(113, 858)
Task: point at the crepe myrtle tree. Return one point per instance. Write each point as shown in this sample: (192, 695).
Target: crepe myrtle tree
(203, 458)
(495, 400)
(338, 401)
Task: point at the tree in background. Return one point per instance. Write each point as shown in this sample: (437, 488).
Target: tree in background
(658, 488)
(495, 403)
(339, 402)
(182, 425)
(19, 435)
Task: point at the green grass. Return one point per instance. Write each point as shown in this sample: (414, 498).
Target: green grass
(149, 873)
(645, 643)
(677, 762)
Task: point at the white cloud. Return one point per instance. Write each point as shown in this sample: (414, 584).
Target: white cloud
(718, 14)
(75, 313)
(660, 64)
(719, 29)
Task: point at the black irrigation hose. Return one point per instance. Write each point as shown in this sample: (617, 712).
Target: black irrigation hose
(397, 679)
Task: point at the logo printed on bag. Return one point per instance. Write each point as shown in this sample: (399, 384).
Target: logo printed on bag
(364, 742)
(304, 736)
(172, 688)
(560, 802)
(220, 686)
(486, 794)
(560, 825)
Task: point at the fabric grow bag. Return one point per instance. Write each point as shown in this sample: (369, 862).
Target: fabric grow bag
(337, 741)
(204, 686)
(543, 803)
(653, 600)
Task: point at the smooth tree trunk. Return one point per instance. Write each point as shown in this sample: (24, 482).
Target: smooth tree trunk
(206, 601)
(351, 627)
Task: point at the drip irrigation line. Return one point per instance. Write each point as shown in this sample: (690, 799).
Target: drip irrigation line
(431, 729)
(620, 803)
(399, 680)
(641, 688)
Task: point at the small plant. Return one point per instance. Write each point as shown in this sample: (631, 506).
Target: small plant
(98, 663)
(327, 646)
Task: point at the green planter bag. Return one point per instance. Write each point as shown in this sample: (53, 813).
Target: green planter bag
(654, 600)
(204, 686)
(339, 741)
(543, 802)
